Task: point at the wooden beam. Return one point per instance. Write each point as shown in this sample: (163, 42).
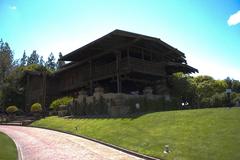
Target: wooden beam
(138, 80)
(161, 53)
(128, 57)
(44, 90)
(101, 54)
(90, 76)
(117, 72)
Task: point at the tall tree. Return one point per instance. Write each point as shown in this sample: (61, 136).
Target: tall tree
(41, 62)
(33, 58)
(51, 64)
(23, 60)
(229, 82)
(59, 62)
(6, 66)
(6, 60)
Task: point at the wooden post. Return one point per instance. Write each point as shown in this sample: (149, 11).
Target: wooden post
(128, 57)
(44, 90)
(27, 94)
(142, 52)
(91, 76)
(119, 88)
(151, 58)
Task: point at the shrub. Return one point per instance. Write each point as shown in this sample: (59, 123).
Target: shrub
(11, 109)
(235, 98)
(78, 109)
(61, 101)
(36, 107)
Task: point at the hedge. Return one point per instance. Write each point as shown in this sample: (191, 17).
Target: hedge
(61, 101)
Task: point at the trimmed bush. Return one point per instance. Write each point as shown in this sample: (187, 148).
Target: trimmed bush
(11, 109)
(36, 107)
(61, 101)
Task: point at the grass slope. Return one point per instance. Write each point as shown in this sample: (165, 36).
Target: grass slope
(191, 134)
(8, 150)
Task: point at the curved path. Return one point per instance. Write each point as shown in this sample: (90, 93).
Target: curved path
(42, 144)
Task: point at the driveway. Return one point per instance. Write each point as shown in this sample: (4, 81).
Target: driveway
(42, 144)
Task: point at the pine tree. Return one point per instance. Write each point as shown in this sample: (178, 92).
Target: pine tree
(51, 64)
(33, 58)
(6, 60)
(23, 60)
(59, 62)
(41, 62)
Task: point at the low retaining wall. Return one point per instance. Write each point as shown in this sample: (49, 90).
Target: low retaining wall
(116, 101)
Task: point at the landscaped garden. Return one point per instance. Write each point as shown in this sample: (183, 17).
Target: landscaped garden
(191, 134)
(8, 149)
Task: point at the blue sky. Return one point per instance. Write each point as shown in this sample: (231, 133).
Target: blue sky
(199, 28)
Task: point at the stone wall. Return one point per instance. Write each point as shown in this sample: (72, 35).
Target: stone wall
(116, 101)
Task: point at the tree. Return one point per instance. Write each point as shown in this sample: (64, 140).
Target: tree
(236, 86)
(229, 82)
(51, 62)
(59, 62)
(6, 60)
(33, 58)
(233, 84)
(23, 60)
(12, 90)
(41, 62)
(183, 88)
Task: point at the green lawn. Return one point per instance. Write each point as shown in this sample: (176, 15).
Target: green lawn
(191, 134)
(8, 150)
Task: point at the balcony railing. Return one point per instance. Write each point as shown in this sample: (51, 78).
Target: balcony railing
(82, 75)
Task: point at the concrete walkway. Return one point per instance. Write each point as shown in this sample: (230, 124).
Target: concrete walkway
(42, 144)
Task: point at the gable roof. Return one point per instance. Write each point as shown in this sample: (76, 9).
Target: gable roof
(118, 39)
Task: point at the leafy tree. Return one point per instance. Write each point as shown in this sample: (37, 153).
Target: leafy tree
(59, 62)
(207, 88)
(23, 60)
(51, 62)
(236, 86)
(183, 88)
(33, 58)
(233, 84)
(12, 90)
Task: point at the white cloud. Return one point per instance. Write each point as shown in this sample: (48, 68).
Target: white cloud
(216, 69)
(234, 19)
(13, 7)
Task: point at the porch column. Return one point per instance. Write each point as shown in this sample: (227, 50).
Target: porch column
(118, 58)
(90, 76)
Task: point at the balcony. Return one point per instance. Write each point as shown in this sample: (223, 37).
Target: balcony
(83, 76)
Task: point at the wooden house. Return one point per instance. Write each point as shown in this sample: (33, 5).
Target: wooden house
(120, 62)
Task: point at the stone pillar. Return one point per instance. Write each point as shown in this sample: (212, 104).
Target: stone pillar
(98, 92)
(81, 95)
(148, 92)
(118, 107)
